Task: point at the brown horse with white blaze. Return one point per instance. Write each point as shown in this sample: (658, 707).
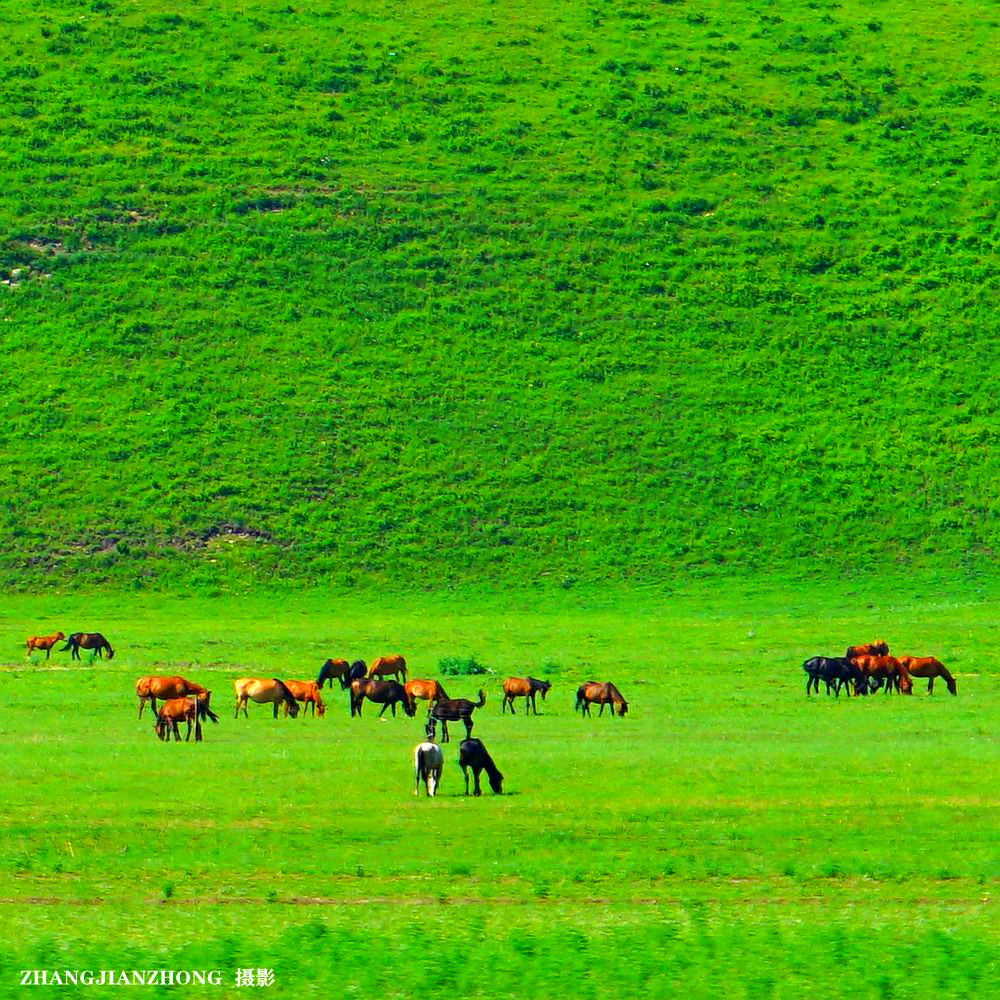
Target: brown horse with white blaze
(929, 667)
(523, 687)
(264, 691)
(45, 642)
(148, 689)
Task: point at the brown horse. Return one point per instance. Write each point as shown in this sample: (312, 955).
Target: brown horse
(45, 642)
(264, 690)
(176, 710)
(592, 693)
(453, 710)
(148, 689)
(523, 687)
(308, 693)
(877, 648)
(423, 690)
(929, 667)
(883, 668)
(385, 666)
(87, 640)
(388, 694)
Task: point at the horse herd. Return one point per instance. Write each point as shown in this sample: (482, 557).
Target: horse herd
(185, 701)
(868, 667)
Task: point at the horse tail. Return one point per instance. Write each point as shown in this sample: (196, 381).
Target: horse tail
(482, 698)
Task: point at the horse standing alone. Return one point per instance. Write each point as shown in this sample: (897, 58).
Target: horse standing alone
(523, 687)
(592, 693)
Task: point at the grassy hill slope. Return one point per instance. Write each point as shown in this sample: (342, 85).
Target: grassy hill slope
(606, 292)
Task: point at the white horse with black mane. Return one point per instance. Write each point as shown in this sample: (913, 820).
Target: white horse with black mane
(427, 763)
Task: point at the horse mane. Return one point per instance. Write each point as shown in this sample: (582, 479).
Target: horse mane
(285, 693)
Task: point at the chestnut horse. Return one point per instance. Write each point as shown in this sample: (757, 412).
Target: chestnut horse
(264, 690)
(341, 670)
(427, 764)
(929, 667)
(388, 694)
(472, 753)
(45, 642)
(87, 640)
(424, 690)
(151, 688)
(877, 648)
(879, 668)
(175, 710)
(592, 693)
(523, 687)
(453, 710)
(308, 693)
(384, 666)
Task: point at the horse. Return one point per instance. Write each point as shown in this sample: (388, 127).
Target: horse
(45, 642)
(591, 692)
(264, 690)
(472, 753)
(879, 668)
(175, 710)
(427, 764)
(341, 670)
(308, 693)
(424, 690)
(523, 687)
(151, 688)
(454, 710)
(383, 666)
(87, 640)
(929, 667)
(877, 648)
(834, 671)
(388, 694)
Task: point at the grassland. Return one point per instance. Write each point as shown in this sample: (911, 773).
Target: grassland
(341, 295)
(729, 835)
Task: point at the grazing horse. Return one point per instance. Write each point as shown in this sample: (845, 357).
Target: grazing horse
(342, 671)
(384, 666)
(264, 690)
(164, 688)
(175, 710)
(454, 710)
(424, 690)
(592, 693)
(879, 668)
(308, 693)
(472, 753)
(929, 667)
(45, 642)
(834, 671)
(427, 764)
(388, 694)
(877, 648)
(523, 687)
(87, 640)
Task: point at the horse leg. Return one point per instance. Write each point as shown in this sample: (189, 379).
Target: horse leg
(444, 732)
(468, 726)
(930, 684)
(465, 772)
(274, 705)
(476, 772)
(175, 731)
(197, 730)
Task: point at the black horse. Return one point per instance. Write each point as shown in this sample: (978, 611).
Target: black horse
(446, 710)
(343, 672)
(836, 672)
(87, 640)
(472, 753)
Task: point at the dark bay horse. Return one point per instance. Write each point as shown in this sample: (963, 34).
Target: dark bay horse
(834, 671)
(422, 690)
(308, 693)
(341, 670)
(87, 640)
(45, 642)
(388, 694)
(148, 689)
(523, 687)
(175, 710)
(454, 710)
(472, 753)
(592, 693)
(264, 690)
(384, 666)
(428, 762)
(929, 667)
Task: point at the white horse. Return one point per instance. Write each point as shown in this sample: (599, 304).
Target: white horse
(427, 763)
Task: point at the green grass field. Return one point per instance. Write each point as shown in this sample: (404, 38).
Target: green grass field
(729, 835)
